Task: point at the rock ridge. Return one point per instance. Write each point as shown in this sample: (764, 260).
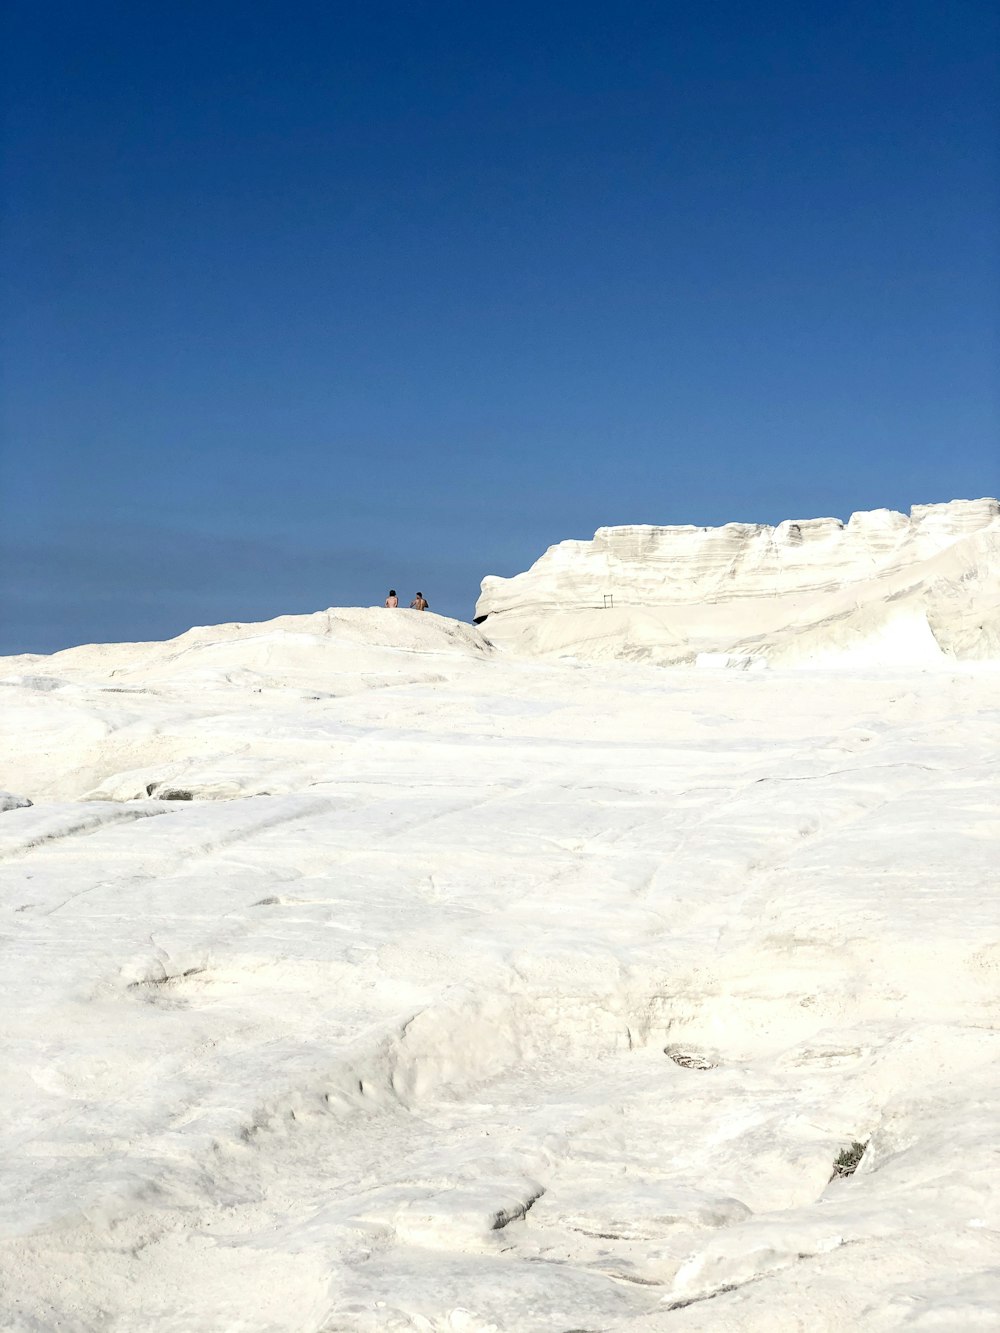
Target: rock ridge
(674, 591)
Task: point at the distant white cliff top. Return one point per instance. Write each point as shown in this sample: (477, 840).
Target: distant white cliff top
(678, 590)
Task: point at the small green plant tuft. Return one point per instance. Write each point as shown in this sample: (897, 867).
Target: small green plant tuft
(847, 1161)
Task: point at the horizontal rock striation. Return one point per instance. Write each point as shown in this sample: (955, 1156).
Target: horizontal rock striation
(665, 594)
(642, 565)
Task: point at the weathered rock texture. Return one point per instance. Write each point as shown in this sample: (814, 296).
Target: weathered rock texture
(360, 979)
(883, 587)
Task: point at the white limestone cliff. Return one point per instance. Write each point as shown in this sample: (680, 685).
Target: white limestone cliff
(883, 588)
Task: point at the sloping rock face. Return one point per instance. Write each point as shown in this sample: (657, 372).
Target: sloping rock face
(883, 588)
(127, 721)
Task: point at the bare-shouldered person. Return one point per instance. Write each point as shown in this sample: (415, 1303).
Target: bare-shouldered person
(419, 603)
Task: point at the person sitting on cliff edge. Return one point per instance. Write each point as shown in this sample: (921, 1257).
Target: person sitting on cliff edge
(419, 603)
(392, 599)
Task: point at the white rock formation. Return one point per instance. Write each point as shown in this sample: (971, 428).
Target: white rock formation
(360, 979)
(882, 589)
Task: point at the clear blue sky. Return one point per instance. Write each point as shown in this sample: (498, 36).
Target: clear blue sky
(304, 300)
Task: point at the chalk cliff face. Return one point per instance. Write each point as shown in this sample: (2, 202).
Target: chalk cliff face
(927, 584)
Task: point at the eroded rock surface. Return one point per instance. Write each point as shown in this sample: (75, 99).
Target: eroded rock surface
(459, 992)
(360, 979)
(882, 589)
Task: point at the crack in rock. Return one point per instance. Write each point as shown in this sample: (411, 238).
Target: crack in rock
(708, 1296)
(504, 1216)
(636, 1281)
(688, 1059)
(165, 980)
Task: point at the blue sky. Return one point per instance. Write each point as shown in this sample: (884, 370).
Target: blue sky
(304, 300)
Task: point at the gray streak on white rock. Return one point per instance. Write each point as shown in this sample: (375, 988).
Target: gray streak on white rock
(8, 801)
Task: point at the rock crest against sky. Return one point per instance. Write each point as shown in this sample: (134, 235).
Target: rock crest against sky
(304, 302)
(882, 589)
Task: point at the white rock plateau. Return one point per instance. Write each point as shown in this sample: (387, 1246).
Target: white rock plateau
(360, 975)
